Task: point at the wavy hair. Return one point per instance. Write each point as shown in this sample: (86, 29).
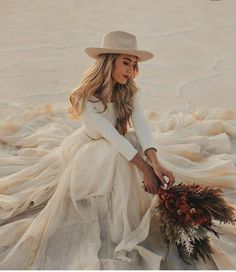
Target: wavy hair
(97, 80)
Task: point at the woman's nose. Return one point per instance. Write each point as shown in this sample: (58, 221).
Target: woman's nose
(130, 71)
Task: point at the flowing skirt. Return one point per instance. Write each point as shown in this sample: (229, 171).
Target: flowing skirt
(70, 202)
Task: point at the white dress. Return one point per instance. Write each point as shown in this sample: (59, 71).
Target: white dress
(71, 199)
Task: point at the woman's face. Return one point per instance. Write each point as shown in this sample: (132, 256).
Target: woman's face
(124, 68)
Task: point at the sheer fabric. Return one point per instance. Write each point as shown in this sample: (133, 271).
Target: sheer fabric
(68, 201)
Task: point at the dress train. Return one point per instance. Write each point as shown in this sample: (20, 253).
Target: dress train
(70, 202)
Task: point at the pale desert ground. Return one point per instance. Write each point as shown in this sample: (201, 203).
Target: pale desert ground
(194, 42)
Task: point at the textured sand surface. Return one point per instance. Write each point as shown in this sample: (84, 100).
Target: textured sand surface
(194, 42)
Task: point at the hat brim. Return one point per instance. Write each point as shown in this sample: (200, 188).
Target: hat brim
(142, 55)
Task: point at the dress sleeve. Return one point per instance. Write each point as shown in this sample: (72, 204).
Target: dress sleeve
(105, 128)
(141, 126)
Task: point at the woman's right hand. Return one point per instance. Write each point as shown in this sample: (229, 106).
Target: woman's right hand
(150, 180)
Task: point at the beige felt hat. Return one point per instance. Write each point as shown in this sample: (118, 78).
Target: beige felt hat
(119, 42)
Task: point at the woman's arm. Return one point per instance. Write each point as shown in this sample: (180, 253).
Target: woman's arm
(159, 169)
(151, 154)
(146, 140)
(150, 179)
(141, 126)
(105, 128)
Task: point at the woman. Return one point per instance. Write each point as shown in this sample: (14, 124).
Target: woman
(110, 79)
(102, 168)
(84, 205)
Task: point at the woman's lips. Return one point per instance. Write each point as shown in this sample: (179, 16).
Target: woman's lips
(126, 77)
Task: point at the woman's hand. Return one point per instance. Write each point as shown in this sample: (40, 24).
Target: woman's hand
(161, 171)
(150, 180)
(152, 174)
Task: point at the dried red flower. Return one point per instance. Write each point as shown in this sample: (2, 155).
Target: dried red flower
(187, 211)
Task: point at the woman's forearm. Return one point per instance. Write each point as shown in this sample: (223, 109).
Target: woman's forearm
(141, 163)
(151, 154)
(150, 181)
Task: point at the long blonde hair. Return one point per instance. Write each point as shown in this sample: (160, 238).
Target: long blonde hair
(97, 79)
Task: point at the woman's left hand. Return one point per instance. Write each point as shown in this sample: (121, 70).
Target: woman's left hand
(161, 171)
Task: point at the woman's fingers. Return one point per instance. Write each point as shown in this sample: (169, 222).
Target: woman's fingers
(171, 182)
(161, 172)
(150, 188)
(171, 179)
(150, 181)
(161, 178)
(146, 187)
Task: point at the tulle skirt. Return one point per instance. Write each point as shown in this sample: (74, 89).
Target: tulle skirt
(71, 202)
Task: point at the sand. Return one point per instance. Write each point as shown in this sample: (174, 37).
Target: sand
(194, 42)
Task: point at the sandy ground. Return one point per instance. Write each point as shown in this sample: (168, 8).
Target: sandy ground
(194, 42)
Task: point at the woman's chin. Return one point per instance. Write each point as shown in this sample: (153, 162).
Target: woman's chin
(123, 82)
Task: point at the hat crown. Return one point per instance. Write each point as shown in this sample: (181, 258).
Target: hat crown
(119, 40)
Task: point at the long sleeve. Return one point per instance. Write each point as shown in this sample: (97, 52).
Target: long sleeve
(141, 125)
(105, 128)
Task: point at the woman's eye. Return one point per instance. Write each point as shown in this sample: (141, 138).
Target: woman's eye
(127, 63)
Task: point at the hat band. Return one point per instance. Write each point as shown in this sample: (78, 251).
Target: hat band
(118, 47)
